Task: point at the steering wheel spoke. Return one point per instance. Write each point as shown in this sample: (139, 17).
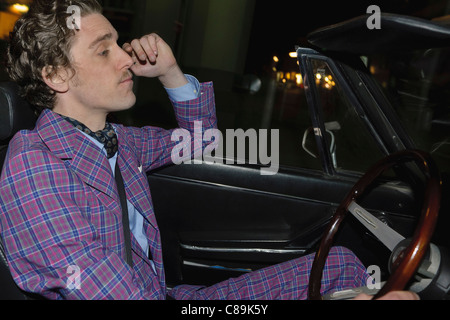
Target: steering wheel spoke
(388, 236)
(351, 293)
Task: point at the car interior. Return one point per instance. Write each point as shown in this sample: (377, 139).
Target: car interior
(229, 219)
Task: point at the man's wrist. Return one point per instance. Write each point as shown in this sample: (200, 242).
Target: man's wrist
(174, 78)
(187, 92)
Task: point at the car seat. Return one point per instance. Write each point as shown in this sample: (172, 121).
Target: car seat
(15, 115)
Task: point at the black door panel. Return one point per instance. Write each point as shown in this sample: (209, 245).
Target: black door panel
(220, 219)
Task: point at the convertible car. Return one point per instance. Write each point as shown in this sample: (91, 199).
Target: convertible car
(364, 163)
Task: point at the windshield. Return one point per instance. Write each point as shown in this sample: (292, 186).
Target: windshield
(418, 85)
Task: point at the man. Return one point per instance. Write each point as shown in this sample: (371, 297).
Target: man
(60, 210)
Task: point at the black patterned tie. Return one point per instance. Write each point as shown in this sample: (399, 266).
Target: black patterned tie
(107, 136)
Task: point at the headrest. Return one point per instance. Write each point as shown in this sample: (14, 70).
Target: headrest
(15, 113)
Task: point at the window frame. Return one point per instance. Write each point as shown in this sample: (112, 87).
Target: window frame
(347, 77)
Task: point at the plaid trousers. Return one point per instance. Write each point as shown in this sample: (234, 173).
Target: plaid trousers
(285, 281)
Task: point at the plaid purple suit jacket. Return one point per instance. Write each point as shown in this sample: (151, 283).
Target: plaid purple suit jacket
(60, 214)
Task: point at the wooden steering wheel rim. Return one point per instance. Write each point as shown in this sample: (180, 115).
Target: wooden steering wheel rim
(407, 264)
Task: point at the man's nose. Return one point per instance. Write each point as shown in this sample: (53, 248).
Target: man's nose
(125, 59)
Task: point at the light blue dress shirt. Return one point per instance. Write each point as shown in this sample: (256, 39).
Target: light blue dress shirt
(187, 92)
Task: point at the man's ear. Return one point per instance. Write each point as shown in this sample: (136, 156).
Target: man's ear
(57, 78)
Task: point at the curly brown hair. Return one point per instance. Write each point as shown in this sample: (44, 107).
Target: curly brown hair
(41, 39)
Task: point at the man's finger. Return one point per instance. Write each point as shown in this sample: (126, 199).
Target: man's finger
(148, 47)
(127, 47)
(138, 50)
(153, 40)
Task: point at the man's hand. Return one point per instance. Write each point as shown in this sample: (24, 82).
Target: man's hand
(153, 58)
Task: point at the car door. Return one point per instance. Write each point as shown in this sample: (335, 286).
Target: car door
(224, 219)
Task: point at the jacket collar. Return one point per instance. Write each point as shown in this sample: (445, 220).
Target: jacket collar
(68, 143)
(91, 165)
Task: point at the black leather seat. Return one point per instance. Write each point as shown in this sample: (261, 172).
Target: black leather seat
(15, 115)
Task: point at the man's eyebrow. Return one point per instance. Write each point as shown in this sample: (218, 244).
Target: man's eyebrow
(107, 36)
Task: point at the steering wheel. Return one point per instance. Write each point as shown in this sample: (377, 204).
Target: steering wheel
(410, 258)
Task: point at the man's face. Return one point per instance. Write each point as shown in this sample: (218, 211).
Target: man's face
(102, 82)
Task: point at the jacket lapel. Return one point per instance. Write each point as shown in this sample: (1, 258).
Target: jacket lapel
(69, 144)
(138, 193)
(136, 183)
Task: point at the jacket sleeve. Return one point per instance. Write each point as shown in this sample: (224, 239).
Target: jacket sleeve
(154, 146)
(52, 246)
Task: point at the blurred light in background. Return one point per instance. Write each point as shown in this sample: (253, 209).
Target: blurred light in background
(19, 8)
(9, 17)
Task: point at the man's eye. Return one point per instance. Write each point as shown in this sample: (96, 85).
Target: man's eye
(104, 53)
